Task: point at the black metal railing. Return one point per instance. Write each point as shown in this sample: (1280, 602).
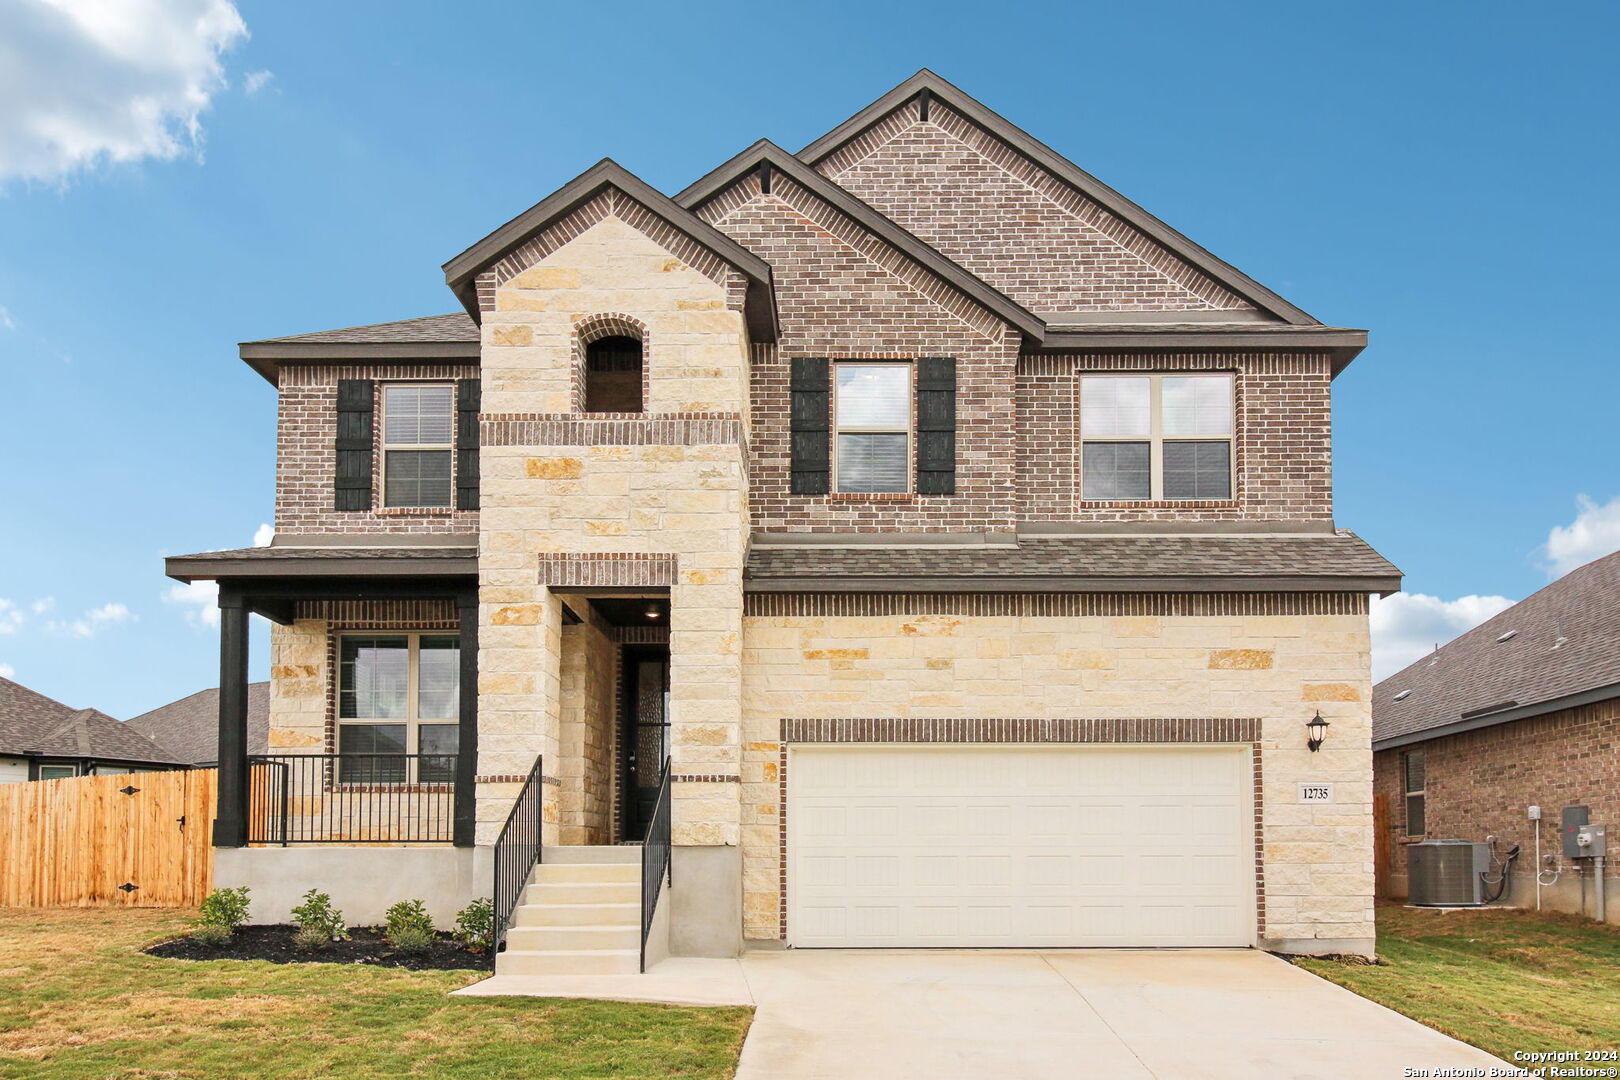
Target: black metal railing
(517, 852)
(351, 798)
(655, 859)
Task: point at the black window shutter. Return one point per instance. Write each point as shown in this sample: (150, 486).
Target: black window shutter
(810, 426)
(352, 485)
(936, 425)
(468, 394)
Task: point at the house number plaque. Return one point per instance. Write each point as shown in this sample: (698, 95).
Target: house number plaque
(1317, 793)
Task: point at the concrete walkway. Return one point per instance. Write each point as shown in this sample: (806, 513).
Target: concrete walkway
(1012, 1015)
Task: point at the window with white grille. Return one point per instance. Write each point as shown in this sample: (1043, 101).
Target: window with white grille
(419, 427)
(1156, 438)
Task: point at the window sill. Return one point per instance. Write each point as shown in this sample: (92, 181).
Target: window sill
(1158, 504)
(1411, 840)
(871, 496)
(414, 511)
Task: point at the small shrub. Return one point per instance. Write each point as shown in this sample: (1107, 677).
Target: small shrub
(211, 934)
(318, 921)
(222, 911)
(411, 939)
(409, 919)
(475, 925)
(311, 937)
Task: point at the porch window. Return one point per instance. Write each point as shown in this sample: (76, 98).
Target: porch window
(419, 424)
(1155, 437)
(1413, 773)
(398, 706)
(872, 421)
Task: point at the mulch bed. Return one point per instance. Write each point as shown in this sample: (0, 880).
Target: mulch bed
(366, 946)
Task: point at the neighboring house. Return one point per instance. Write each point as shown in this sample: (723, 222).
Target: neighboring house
(960, 533)
(1521, 711)
(189, 728)
(43, 739)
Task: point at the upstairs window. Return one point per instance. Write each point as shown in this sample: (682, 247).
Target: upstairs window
(398, 695)
(872, 427)
(419, 424)
(1160, 438)
(613, 367)
(1413, 774)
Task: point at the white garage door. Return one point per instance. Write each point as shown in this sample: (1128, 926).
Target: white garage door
(921, 847)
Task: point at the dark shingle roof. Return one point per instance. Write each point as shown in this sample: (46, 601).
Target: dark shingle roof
(323, 562)
(1566, 641)
(189, 728)
(431, 329)
(1080, 562)
(31, 723)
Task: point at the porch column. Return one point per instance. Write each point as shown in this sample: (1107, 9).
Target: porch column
(230, 822)
(466, 798)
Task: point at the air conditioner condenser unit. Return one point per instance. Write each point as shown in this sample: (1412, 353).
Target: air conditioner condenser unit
(1447, 873)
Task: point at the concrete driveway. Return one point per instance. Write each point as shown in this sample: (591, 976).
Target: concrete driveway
(995, 1015)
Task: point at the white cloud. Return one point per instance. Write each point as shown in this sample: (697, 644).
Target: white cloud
(200, 597)
(255, 81)
(263, 535)
(7, 671)
(42, 605)
(11, 617)
(93, 621)
(1594, 533)
(86, 82)
(1407, 626)
(6, 321)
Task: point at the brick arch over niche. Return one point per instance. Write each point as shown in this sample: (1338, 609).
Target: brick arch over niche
(598, 327)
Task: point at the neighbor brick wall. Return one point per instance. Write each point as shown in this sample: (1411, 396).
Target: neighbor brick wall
(1480, 782)
(306, 457)
(1282, 438)
(1010, 222)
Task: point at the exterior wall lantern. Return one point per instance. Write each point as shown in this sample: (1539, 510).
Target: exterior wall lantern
(1318, 731)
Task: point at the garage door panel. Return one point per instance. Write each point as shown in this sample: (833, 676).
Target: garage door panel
(1026, 849)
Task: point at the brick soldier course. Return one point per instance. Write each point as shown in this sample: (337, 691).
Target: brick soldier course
(991, 603)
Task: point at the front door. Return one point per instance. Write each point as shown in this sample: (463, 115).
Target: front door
(644, 733)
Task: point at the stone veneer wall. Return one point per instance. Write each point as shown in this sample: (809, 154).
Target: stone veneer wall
(589, 735)
(656, 499)
(1317, 859)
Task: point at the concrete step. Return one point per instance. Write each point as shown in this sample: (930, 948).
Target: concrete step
(586, 873)
(574, 938)
(591, 853)
(550, 914)
(559, 962)
(576, 892)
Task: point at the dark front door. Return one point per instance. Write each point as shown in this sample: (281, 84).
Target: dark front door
(644, 733)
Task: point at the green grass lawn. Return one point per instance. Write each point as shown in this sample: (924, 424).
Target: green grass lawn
(1503, 980)
(79, 1000)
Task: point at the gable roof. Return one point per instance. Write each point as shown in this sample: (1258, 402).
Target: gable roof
(35, 725)
(1564, 651)
(189, 728)
(760, 305)
(766, 153)
(926, 82)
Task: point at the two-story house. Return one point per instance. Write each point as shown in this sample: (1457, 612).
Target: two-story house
(924, 542)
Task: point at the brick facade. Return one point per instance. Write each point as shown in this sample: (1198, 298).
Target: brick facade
(1034, 238)
(1480, 783)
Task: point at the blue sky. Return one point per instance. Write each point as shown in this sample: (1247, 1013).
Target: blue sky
(1441, 174)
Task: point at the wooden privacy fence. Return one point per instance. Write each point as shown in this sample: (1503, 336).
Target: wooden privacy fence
(132, 840)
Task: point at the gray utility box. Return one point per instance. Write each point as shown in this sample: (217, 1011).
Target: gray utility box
(1575, 819)
(1446, 873)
